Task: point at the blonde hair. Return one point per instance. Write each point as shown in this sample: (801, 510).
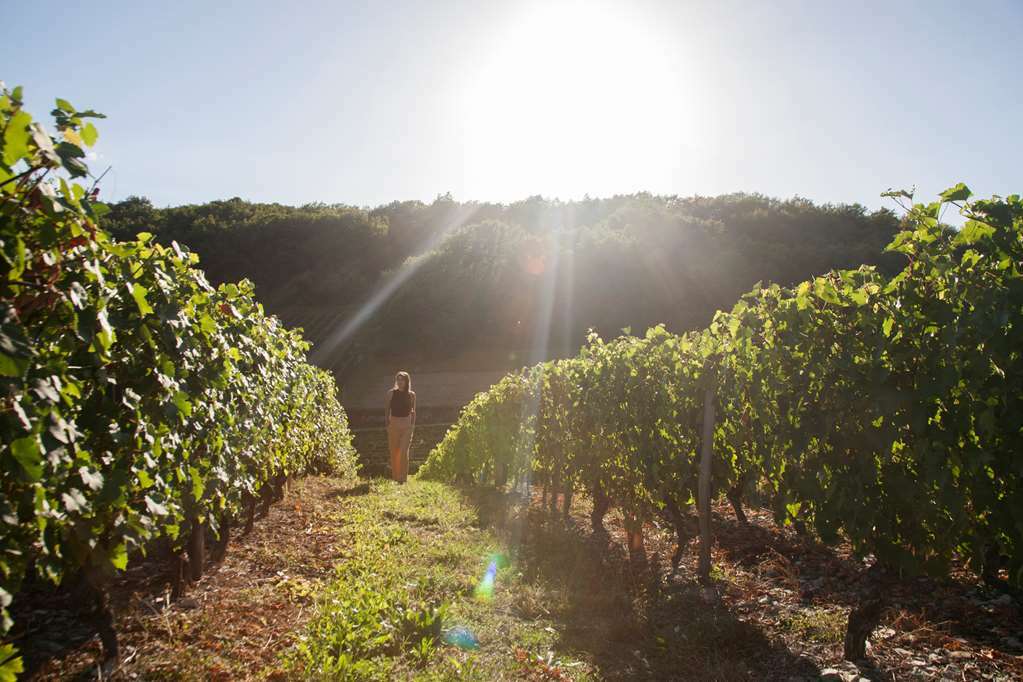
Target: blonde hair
(397, 381)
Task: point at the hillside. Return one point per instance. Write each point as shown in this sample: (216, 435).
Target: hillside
(413, 283)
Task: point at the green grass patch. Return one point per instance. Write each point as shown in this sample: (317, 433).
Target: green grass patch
(817, 625)
(414, 567)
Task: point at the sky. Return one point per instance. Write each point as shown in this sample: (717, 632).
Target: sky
(368, 102)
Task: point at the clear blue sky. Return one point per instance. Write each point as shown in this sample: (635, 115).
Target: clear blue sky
(366, 102)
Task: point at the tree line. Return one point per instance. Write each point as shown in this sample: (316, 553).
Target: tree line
(507, 276)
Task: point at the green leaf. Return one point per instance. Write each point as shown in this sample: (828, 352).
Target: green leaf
(207, 324)
(16, 138)
(139, 293)
(971, 258)
(183, 404)
(733, 326)
(974, 231)
(64, 105)
(89, 134)
(10, 663)
(803, 295)
(119, 557)
(106, 335)
(898, 193)
(89, 113)
(958, 193)
(197, 483)
(826, 290)
(15, 352)
(29, 455)
(71, 155)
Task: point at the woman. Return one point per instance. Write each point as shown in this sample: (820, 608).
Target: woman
(400, 417)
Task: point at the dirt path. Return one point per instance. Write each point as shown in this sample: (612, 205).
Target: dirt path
(230, 625)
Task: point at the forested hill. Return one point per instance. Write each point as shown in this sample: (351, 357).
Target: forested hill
(485, 275)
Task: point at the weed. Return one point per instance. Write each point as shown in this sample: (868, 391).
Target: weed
(818, 625)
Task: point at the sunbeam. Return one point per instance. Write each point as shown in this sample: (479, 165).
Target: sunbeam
(539, 352)
(325, 349)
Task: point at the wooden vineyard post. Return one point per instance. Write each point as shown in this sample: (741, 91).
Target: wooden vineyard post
(703, 501)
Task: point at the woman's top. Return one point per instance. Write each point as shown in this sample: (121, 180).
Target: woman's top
(401, 403)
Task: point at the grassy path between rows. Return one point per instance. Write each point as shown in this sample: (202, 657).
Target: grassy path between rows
(421, 591)
(339, 581)
(376, 581)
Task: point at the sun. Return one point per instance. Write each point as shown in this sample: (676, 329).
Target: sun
(574, 98)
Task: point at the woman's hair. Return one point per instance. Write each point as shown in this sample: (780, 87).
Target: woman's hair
(397, 381)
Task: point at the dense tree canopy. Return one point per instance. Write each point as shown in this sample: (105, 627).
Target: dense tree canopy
(484, 274)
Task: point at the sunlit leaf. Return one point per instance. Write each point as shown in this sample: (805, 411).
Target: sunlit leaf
(139, 292)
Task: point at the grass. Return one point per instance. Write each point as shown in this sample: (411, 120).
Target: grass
(565, 604)
(410, 577)
(824, 626)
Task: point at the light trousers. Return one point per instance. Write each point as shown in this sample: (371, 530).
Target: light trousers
(399, 440)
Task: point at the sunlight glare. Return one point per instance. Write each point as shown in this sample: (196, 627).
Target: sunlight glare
(575, 90)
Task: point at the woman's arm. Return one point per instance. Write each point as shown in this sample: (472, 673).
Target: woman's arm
(413, 412)
(387, 410)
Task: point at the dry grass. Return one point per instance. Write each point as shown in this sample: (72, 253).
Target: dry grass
(229, 625)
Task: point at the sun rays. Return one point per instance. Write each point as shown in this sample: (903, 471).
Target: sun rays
(379, 297)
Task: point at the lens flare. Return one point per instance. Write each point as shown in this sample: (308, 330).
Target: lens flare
(462, 637)
(485, 588)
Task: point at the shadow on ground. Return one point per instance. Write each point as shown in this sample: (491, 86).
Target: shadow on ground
(627, 618)
(931, 610)
(353, 491)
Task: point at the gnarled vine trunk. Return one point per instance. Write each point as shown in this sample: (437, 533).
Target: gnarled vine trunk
(224, 537)
(94, 586)
(196, 550)
(677, 519)
(555, 487)
(601, 505)
(734, 495)
(634, 537)
(250, 512)
(866, 614)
